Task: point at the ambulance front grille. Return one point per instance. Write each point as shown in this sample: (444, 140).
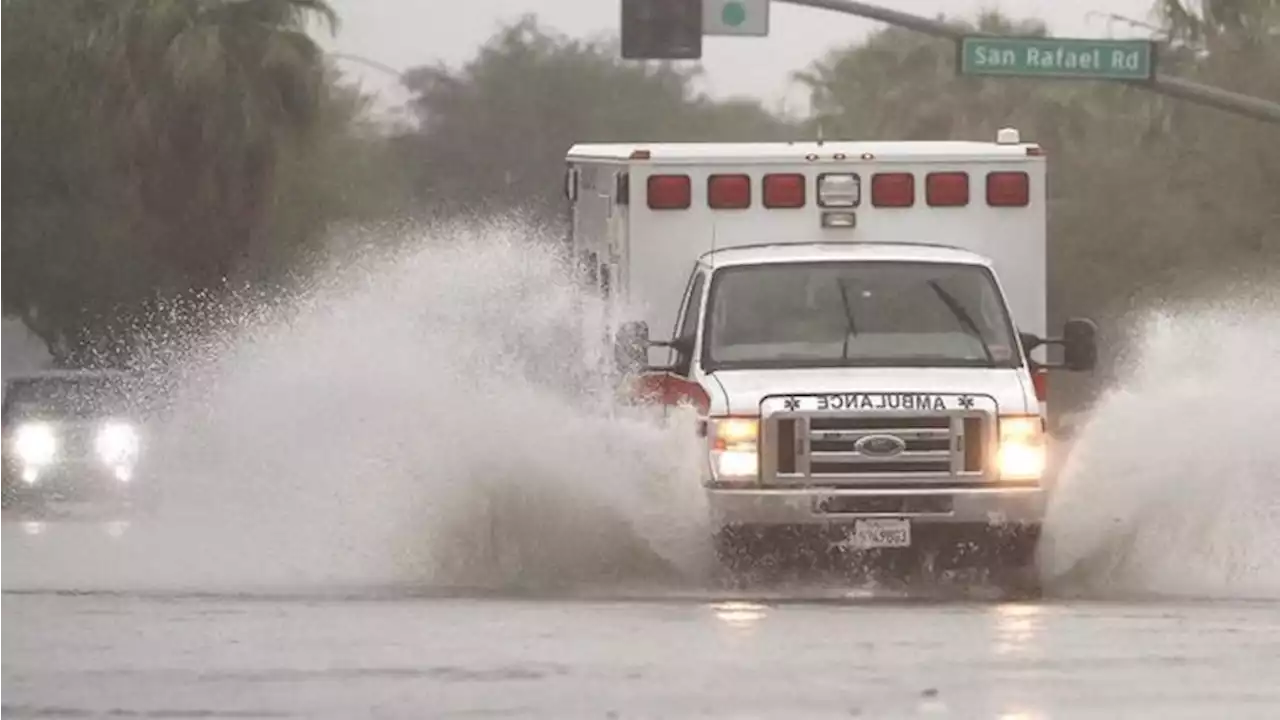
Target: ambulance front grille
(841, 449)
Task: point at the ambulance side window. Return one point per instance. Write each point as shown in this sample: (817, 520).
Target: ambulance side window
(688, 327)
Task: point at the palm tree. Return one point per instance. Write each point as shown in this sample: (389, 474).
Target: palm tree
(1253, 21)
(206, 94)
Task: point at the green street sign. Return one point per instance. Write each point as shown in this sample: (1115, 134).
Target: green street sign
(1057, 58)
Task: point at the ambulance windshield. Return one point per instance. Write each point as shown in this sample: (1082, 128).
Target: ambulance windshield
(857, 314)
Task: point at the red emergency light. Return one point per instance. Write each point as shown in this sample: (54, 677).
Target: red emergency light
(1008, 188)
(1040, 381)
(729, 192)
(670, 390)
(784, 190)
(893, 189)
(669, 192)
(946, 189)
(1005, 188)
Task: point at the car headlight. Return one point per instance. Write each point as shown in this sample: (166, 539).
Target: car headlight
(1022, 447)
(117, 442)
(35, 443)
(734, 447)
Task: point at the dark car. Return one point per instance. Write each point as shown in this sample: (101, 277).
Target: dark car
(76, 435)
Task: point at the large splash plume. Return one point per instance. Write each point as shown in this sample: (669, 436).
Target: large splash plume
(1173, 485)
(443, 415)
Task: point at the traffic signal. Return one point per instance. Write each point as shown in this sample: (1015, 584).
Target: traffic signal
(661, 29)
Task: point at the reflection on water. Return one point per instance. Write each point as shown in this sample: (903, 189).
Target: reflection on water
(1018, 629)
(37, 528)
(740, 615)
(1018, 635)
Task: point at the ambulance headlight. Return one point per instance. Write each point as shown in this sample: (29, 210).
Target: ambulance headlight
(1022, 452)
(839, 190)
(734, 447)
(117, 442)
(35, 443)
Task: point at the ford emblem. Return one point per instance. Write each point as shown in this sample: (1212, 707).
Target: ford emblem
(880, 445)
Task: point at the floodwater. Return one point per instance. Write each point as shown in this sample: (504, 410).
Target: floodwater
(412, 494)
(783, 654)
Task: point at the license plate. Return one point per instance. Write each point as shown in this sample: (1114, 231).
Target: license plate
(881, 533)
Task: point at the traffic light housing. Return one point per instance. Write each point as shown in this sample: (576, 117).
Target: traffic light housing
(661, 29)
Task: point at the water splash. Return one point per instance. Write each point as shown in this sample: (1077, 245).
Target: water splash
(1173, 486)
(432, 418)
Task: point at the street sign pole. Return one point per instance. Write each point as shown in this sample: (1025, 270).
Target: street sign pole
(1189, 90)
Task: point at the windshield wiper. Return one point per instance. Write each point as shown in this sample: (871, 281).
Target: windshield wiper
(848, 316)
(963, 316)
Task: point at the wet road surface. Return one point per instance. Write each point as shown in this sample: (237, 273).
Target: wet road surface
(779, 654)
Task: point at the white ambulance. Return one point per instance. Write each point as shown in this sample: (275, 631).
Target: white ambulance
(860, 323)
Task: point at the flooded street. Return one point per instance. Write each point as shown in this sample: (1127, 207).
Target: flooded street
(631, 655)
(298, 578)
(320, 529)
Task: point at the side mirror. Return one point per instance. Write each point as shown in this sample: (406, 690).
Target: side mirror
(1030, 341)
(631, 346)
(1079, 345)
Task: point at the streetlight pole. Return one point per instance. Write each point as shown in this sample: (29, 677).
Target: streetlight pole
(369, 63)
(918, 23)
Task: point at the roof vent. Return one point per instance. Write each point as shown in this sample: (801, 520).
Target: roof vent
(1008, 136)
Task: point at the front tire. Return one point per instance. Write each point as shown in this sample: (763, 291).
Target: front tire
(737, 559)
(1017, 583)
(760, 554)
(1009, 556)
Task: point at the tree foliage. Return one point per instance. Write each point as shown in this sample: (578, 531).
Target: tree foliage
(493, 133)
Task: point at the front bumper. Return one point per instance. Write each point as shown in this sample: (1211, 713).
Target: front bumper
(993, 506)
(816, 468)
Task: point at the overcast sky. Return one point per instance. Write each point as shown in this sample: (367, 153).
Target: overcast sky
(405, 33)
